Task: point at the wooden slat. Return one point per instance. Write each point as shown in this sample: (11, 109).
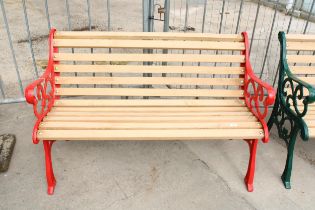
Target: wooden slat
(150, 119)
(309, 117)
(148, 92)
(161, 114)
(302, 69)
(140, 125)
(311, 132)
(311, 107)
(309, 111)
(149, 80)
(150, 109)
(148, 103)
(150, 69)
(300, 37)
(148, 35)
(310, 80)
(310, 123)
(301, 58)
(149, 57)
(148, 44)
(179, 134)
(301, 46)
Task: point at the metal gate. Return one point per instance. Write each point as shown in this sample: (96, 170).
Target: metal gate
(25, 25)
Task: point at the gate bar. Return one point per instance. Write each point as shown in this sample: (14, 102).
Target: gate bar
(29, 38)
(47, 15)
(11, 47)
(268, 44)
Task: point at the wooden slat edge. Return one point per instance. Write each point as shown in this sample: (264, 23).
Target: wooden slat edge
(148, 92)
(149, 57)
(188, 134)
(150, 69)
(150, 80)
(141, 125)
(148, 35)
(300, 37)
(148, 44)
(301, 58)
(301, 46)
(147, 103)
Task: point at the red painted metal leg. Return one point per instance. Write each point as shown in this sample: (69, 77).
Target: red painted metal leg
(51, 181)
(249, 178)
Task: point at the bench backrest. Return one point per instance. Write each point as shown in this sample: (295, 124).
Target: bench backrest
(182, 65)
(300, 55)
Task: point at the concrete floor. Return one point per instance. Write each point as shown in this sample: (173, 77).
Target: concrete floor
(150, 175)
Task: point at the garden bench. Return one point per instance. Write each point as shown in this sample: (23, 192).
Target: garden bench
(294, 110)
(204, 89)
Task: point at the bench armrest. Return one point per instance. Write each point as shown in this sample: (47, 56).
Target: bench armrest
(41, 93)
(292, 89)
(258, 94)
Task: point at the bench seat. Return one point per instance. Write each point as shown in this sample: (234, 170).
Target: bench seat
(150, 123)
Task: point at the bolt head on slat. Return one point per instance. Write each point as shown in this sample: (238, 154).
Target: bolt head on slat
(56, 68)
(260, 133)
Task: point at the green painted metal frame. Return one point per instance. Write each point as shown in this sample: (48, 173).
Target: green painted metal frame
(290, 108)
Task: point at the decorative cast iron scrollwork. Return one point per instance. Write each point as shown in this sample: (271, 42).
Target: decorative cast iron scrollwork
(293, 92)
(257, 98)
(44, 96)
(284, 124)
(291, 106)
(41, 93)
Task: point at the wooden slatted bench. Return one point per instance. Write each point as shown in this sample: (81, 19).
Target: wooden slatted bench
(204, 89)
(294, 110)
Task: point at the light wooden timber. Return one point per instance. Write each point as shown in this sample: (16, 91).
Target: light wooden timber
(150, 69)
(118, 114)
(302, 69)
(150, 109)
(150, 80)
(148, 44)
(301, 46)
(140, 125)
(148, 36)
(149, 57)
(176, 134)
(149, 118)
(301, 58)
(311, 132)
(300, 38)
(310, 80)
(148, 92)
(149, 103)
